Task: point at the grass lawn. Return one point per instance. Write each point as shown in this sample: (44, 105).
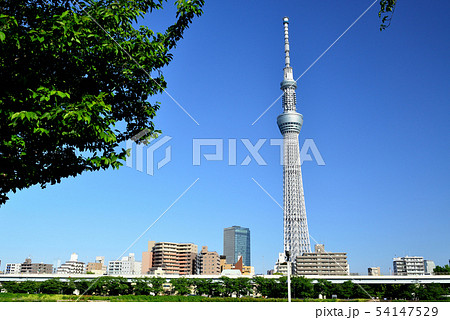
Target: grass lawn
(24, 297)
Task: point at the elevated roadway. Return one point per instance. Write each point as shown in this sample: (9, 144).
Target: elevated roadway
(335, 279)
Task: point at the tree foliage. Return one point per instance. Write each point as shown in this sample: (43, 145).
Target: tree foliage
(399, 291)
(302, 288)
(442, 270)
(430, 292)
(148, 286)
(118, 286)
(83, 286)
(346, 290)
(243, 287)
(141, 287)
(263, 286)
(156, 285)
(323, 287)
(202, 287)
(228, 286)
(107, 285)
(51, 286)
(72, 73)
(387, 8)
(20, 287)
(271, 288)
(181, 286)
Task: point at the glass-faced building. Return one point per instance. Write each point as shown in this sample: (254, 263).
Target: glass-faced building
(236, 242)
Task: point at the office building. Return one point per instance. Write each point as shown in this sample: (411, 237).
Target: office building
(322, 262)
(409, 266)
(236, 243)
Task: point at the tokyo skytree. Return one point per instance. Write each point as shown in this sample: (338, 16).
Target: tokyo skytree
(296, 235)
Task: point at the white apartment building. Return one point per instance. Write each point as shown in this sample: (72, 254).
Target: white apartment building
(281, 265)
(73, 266)
(13, 268)
(126, 266)
(429, 266)
(409, 266)
(374, 271)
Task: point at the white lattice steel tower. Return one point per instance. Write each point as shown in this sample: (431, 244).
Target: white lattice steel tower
(296, 235)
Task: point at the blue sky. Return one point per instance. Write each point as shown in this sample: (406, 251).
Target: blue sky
(376, 105)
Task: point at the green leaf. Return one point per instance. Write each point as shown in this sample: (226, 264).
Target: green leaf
(62, 94)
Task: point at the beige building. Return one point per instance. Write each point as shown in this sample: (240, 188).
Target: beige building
(238, 266)
(97, 267)
(172, 258)
(321, 262)
(223, 262)
(374, 271)
(147, 257)
(208, 262)
(157, 271)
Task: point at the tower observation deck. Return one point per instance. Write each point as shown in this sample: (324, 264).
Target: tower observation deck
(296, 235)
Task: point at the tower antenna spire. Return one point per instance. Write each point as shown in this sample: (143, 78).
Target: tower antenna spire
(287, 59)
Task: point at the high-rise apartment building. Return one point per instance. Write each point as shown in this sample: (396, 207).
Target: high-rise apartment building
(208, 262)
(322, 262)
(236, 243)
(170, 257)
(409, 266)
